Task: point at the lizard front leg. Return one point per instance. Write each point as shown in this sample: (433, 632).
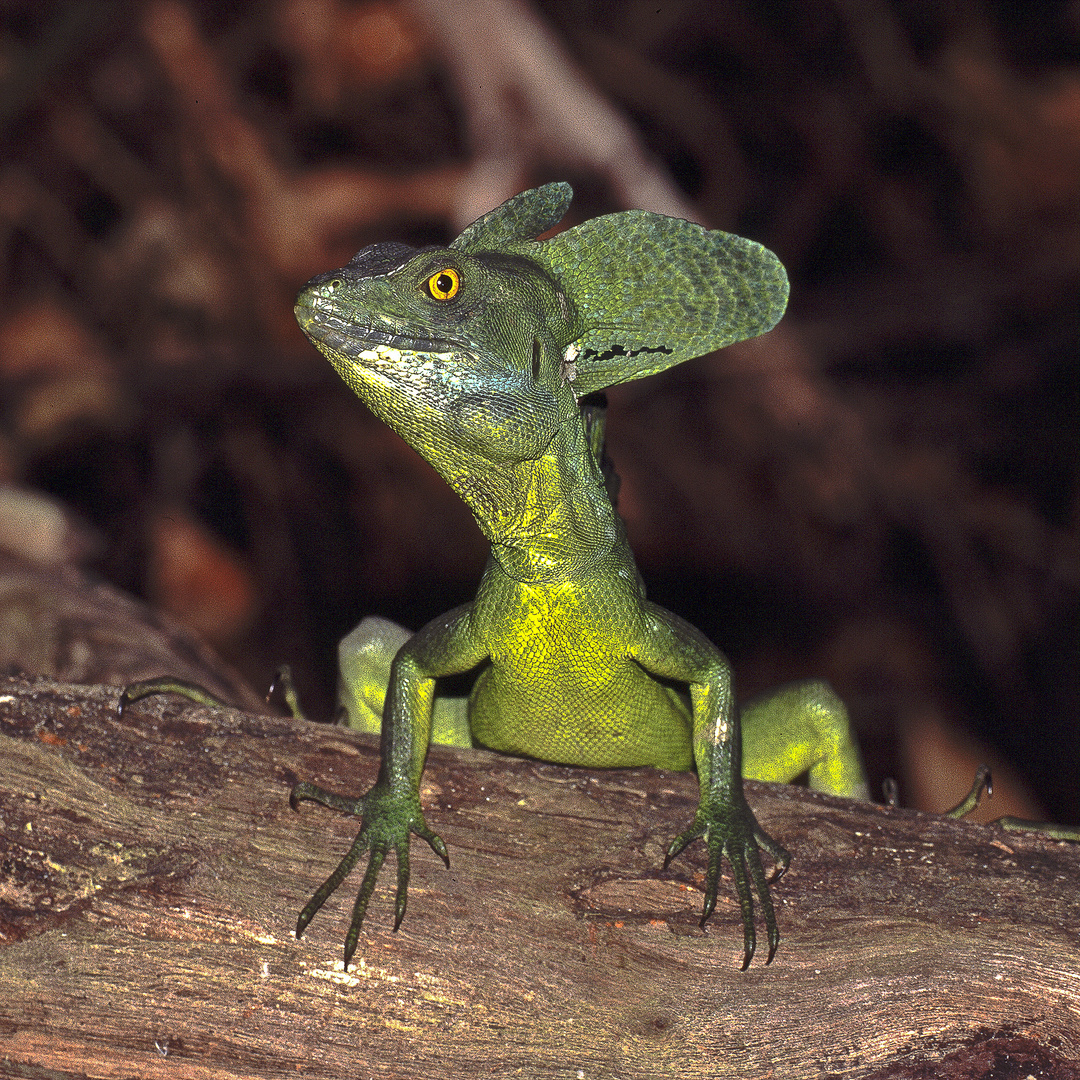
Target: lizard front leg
(671, 648)
(390, 811)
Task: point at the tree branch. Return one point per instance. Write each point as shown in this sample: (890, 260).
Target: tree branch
(153, 872)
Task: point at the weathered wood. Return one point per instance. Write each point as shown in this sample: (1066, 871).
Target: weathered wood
(152, 873)
(58, 621)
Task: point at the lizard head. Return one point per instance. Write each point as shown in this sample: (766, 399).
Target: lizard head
(483, 348)
(456, 352)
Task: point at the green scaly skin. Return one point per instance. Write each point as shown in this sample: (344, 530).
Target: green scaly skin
(477, 355)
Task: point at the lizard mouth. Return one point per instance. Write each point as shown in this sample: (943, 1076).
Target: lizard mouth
(343, 334)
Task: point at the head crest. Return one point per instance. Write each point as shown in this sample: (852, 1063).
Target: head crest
(649, 291)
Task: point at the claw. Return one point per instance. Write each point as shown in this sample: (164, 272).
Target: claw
(681, 842)
(307, 791)
(746, 868)
(761, 885)
(192, 691)
(386, 822)
(779, 854)
(746, 903)
(982, 782)
(283, 681)
(435, 843)
(367, 887)
(401, 896)
(322, 894)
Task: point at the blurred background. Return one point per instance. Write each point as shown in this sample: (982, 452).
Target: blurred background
(882, 491)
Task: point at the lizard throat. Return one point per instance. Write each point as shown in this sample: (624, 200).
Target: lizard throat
(546, 522)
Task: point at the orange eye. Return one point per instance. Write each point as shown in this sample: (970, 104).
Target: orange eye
(444, 285)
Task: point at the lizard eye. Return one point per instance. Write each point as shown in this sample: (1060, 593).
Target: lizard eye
(444, 285)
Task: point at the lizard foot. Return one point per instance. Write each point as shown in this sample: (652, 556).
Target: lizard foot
(387, 820)
(736, 836)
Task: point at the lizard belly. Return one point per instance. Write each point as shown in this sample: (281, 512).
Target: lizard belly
(561, 686)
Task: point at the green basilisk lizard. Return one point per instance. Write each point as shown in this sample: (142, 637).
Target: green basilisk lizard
(483, 356)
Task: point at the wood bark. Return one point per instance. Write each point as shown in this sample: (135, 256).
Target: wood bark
(152, 872)
(58, 621)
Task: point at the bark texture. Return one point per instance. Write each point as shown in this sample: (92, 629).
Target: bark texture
(152, 873)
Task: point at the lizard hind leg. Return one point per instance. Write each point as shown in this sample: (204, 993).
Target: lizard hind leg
(802, 728)
(364, 659)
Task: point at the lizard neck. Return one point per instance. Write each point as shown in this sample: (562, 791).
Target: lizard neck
(549, 519)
